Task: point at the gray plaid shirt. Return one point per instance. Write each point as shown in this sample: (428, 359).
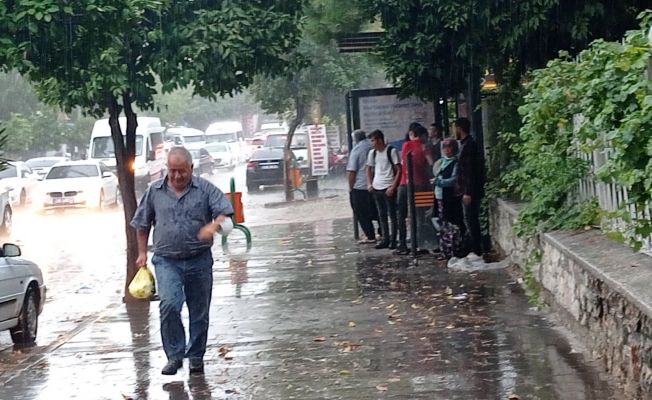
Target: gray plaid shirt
(177, 220)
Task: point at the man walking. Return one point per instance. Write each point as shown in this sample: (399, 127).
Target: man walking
(383, 176)
(470, 183)
(186, 213)
(358, 194)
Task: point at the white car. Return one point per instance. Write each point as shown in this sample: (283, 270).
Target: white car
(222, 155)
(79, 184)
(19, 180)
(22, 295)
(40, 166)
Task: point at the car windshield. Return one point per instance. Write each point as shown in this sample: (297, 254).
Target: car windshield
(8, 172)
(193, 139)
(299, 141)
(72, 171)
(221, 138)
(43, 163)
(217, 148)
(103, 147)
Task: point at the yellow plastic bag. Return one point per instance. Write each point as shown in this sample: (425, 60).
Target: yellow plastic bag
(143, 286)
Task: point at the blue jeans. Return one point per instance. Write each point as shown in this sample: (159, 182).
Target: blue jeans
(189, 280)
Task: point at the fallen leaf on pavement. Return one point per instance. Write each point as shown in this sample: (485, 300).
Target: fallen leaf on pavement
(228, 356)
(381, 388)
(345, 372)
(319, 339)
(352, 324)
(514, 397)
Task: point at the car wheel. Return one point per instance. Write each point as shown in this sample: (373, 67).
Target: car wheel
(253, 188)
(100, 205)
(23, 198)
(118, 198)
(5, 229)
(25, 332)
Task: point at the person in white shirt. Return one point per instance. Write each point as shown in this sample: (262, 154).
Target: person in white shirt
(383, 177)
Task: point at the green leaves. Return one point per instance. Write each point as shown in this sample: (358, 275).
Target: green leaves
(78, 52)
(606, 87)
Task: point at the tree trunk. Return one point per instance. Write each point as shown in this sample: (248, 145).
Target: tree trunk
(287, 153)
(125, 151)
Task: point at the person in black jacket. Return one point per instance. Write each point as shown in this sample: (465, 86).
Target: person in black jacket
(470, 183)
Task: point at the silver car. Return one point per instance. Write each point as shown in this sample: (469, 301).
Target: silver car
(22, 295)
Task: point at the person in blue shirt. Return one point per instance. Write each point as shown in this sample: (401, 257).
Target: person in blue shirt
(359, 196)
(186, 212)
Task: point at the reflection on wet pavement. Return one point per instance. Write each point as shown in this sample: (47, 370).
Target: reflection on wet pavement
(307, 315)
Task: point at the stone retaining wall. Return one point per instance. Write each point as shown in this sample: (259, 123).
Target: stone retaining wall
(603, 285)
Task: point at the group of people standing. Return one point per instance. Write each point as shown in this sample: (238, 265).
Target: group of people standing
(453, 168)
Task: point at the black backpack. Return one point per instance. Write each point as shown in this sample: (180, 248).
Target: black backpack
(389, 156)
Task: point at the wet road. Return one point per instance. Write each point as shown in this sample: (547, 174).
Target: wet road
(307, 314)
(82, 253)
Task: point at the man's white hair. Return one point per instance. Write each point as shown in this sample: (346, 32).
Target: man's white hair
(182, 152)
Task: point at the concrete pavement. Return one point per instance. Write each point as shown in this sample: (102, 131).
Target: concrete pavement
(308, 314)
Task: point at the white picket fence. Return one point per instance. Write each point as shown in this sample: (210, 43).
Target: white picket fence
(611, 197)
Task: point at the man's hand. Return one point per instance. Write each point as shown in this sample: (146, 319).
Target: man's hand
(466, 199)
(141, 261)
(207, 232)
(370, 188)
(390, 191)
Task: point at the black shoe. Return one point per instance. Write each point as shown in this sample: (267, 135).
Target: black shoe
(196, 366)
(392, 245)
(172, 367)
(382, 245)
(402, 251)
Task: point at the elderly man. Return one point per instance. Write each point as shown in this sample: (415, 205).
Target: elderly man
(186, 213)
(361, 200)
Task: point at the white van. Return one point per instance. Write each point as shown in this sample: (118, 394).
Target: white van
(229, 132)
(150, 152)
(188, 137)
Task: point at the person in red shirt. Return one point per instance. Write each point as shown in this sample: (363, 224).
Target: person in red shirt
(421, 161)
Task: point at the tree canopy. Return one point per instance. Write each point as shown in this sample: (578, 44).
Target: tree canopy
(105, 56)
(429, 45)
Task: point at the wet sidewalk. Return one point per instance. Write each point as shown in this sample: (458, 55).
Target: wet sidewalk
(307, 315)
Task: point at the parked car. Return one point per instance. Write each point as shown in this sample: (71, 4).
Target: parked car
(6, 214)
(202, 161)
(40, 166)
(299, 147)
(265, 168)
(19, 180)
(79, 184)
(22, 295)
(222, 156)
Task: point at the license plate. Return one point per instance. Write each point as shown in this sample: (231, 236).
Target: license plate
(62, 201)
(269, 167)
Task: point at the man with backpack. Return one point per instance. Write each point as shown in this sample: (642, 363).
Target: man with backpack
(383, 177)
